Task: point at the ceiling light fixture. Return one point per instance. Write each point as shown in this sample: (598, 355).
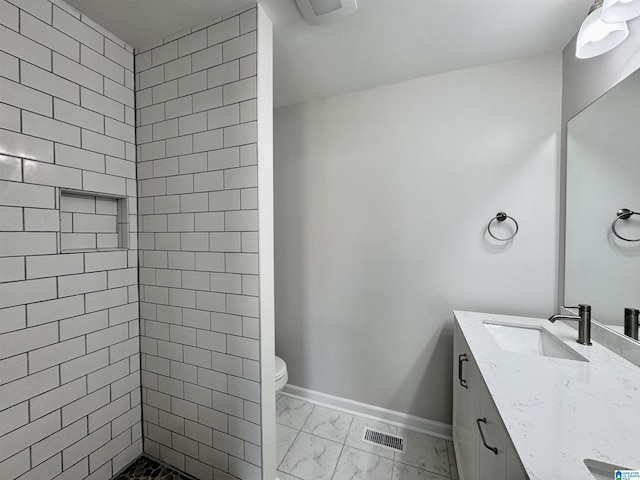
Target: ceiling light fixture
(597, 37)
(620, 10)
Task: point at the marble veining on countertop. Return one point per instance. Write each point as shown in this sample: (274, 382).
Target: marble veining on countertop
(559, 412)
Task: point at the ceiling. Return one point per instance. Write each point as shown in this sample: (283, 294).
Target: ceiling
(384, 42)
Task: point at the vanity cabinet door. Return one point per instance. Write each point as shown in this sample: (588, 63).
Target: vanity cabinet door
(466, 405)
(471, 402)
(492, 439)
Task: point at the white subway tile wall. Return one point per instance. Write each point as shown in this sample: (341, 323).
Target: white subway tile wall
(70, 400)
(197, 180)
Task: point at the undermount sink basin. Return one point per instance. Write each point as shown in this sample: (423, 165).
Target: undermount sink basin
(601, 470)
(530, 340)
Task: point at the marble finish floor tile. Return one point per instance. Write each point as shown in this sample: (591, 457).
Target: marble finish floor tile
(285, 476)
(285, 437)
(355, 434)
(451, 452)
(425, 452)
(407, 472)
(292, 412)
(311, 458)
(358, 465)
(452, 461)
(328, 423)
(320, 443)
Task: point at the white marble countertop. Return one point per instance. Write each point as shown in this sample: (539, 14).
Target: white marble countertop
(560, 412)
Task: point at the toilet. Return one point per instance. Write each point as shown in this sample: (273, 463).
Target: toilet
(281, 374)
(281, 377)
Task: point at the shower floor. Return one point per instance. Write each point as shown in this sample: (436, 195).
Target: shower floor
(144, 468)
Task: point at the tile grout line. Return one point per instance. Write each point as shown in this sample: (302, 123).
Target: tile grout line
(288, 450)
(297, 435)
(335, 469)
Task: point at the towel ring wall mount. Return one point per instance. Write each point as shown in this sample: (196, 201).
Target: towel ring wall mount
(501, 217)
(623, 214)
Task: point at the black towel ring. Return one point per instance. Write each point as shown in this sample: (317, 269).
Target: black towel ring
(501, 217)
(623, 214)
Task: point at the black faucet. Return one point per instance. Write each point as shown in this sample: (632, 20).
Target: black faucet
(631, 322)
(584, 322)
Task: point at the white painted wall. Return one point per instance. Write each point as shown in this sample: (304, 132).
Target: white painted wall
(381, 202)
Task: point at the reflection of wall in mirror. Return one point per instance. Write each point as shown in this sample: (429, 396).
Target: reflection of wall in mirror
(603, 168)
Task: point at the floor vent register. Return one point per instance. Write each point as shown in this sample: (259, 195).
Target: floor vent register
(384, 440)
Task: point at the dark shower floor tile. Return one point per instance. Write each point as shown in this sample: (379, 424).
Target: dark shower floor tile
(144, 468)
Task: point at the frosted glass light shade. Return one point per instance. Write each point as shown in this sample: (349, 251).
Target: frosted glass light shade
(597, 37)
(619, 10)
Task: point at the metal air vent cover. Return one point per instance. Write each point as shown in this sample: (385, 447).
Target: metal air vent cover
(316, 12)
(384, 440)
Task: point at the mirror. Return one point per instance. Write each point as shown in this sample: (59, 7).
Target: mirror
(603, 176)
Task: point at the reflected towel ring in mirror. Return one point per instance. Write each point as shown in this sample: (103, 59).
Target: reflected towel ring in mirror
(501, 217)
(623, 214)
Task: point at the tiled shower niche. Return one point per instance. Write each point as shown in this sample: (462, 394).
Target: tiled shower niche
(90, 221)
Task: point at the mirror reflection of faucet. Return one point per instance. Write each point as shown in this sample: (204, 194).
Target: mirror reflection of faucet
(584, 322)
(631, 322)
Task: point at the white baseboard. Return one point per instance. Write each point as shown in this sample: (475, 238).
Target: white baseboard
(419, 424)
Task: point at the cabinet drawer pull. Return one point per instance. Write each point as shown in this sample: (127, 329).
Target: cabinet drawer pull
(462, 358)
(484, 441)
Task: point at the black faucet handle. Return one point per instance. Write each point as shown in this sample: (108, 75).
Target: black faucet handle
(631, 322)
(582, 307)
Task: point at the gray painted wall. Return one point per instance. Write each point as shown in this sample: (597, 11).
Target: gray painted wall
(381, 201)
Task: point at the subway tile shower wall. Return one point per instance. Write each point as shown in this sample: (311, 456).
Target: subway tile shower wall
(198, 215)
(70, 399)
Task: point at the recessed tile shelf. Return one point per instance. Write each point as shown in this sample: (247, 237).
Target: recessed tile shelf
(92, 221)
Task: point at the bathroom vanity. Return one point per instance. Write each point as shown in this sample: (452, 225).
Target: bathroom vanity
(529, 402)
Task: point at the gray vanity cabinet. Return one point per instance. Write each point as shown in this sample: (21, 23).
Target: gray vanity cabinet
(466, 407)
(492, 439)
(514, 468)
(474, 416)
